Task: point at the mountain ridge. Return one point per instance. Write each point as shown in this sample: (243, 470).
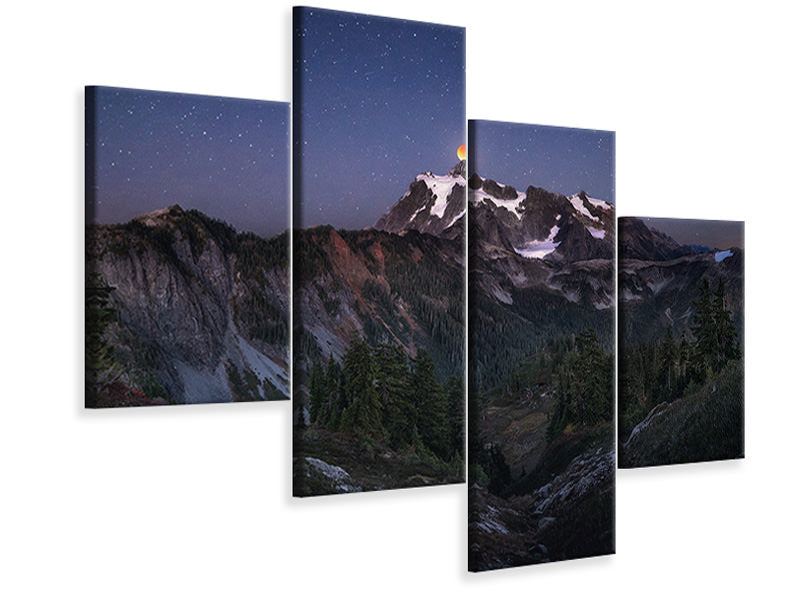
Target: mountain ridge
(202, 311)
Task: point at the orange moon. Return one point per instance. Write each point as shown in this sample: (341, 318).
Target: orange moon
(462, 152)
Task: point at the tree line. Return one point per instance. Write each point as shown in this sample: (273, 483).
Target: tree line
(666, 369)
(382, 393)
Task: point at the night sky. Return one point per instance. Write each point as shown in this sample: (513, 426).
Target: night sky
(228, 158)
(558, 159)
(714, 234)
(377, 101)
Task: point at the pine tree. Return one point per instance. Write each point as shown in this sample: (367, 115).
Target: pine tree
(727, 337)
(715, 336)
(333, 404)
(456, 415)
(667, 365)
(430, 403)
(363, 410)
(316, 391)
(392, 385)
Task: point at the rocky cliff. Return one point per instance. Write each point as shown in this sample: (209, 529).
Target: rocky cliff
(201, 311)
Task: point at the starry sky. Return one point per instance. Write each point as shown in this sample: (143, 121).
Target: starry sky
(377, 101)
(714, 234)
(558, 159)
(226, 157)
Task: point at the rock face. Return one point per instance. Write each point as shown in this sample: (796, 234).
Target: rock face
(541, 264)
(569, 517)
(201, 311)
(639, 242)
(541, 224)
(350, 465)
(433, 204)
(404, 289)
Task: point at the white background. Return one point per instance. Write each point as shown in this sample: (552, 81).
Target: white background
(194, 502)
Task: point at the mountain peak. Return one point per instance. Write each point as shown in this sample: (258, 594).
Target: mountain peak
(638, 241)
(433, 204)
(460, 170)
(160, 215)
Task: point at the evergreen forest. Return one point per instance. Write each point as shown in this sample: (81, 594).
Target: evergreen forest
(382, 395)
(666, 369)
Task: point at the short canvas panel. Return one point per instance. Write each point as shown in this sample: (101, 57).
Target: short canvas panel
(187, 210)
(681, 341)
(541, 344)
(379, 253)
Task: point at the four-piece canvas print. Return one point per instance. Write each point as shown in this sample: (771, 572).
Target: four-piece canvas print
(681, 328)
(541, 344)
(438, 269)
(379, 253)
(187, 281)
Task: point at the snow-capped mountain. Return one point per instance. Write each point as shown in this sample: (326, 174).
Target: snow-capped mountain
(433, 204)
(540, 264)
(541, 224)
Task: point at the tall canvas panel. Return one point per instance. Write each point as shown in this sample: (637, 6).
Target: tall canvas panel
(187, 210)
(681, 341)
(541, 344)
(379, 253)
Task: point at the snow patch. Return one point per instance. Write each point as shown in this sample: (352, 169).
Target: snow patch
(513, 206)
(540, 248)
(722, 255)
(577, 203)
(441, 186)
(597, 233)
(598, 203)
(457, 217)
(416, 212)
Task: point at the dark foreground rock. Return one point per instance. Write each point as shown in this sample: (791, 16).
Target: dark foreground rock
(571, 516)
(328, 462)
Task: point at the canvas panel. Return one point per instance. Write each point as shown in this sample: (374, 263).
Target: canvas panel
(681, 341)
(186, 248)
(541, 344)
(379, 254)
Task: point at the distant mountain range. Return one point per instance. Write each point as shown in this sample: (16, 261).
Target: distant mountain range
(659, 281)
(200, 311)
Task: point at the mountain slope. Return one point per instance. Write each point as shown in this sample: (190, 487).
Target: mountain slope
(541, 265)
(404, 289)
(202, 311)
(433, 204)
(659, 282)
(541, 285)
(707, 424)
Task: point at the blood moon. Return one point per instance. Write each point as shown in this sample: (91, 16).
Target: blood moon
(462, 152)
